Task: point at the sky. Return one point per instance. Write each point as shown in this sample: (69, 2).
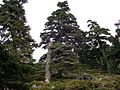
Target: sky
(105, 12)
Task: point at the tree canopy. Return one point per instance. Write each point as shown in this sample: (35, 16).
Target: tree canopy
(13, 29)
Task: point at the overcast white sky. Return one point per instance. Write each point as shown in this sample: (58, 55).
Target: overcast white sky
(105, 12)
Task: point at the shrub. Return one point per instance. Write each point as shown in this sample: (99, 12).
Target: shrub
(17, 85)
(79, 84)
(38, 83)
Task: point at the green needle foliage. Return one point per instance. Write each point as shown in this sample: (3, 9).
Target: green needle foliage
(61, 26)
(100, 52)
(14, 32)
(12, 73)
(64, 32)
(16, 46)
(63, 59)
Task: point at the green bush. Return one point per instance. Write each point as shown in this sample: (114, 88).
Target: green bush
(79, 84)
(70, 85)
(95, 84)
(37, 83)
(58, 85)
(17, 85)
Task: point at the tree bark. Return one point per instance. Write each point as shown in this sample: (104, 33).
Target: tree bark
(119, 38)
(47, 67)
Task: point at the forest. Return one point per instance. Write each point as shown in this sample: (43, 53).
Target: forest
(76, 59)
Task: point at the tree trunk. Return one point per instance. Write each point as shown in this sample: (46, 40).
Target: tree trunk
(119, 39)
(108, 62)
(47, 67)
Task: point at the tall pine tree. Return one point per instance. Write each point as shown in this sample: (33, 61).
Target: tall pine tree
(16, 45)
(99, 40)
(61, 29)
(14, 33)
(61, 26)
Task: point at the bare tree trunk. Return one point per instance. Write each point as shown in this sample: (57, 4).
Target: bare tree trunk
(119, 39)
(47, 67)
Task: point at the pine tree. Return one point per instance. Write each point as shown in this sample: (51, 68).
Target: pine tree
(100, 49)
(16, 46)
(14, 33)
(61, 26)
(114, 53)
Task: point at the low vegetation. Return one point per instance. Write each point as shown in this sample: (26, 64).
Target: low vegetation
(100, 81)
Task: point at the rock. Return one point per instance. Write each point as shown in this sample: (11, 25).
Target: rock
(87, 77)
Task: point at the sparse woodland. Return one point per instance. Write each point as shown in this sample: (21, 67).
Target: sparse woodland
(76, 59)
